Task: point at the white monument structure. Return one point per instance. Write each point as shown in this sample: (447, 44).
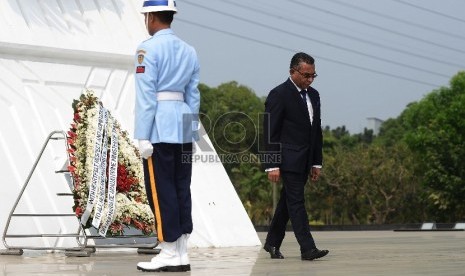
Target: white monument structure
(50, 50)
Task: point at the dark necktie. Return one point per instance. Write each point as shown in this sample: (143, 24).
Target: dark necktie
(303, 93)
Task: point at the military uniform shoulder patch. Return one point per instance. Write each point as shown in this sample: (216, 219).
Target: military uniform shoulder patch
(140, 56)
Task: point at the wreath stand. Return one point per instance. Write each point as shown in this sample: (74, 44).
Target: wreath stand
(82, 236)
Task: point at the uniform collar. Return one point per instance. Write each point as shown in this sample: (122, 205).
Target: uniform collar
(164, 32)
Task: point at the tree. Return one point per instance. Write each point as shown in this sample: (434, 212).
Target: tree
(231, 117)
(367, 184)
(435, 131)
(412, 171)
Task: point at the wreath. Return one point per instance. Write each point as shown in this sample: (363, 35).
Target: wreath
(109, 192)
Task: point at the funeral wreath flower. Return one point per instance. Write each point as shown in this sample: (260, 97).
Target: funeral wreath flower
(106, 167)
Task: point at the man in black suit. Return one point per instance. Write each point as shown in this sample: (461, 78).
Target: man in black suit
(293, 142)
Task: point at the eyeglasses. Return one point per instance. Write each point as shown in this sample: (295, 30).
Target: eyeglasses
(307, 75)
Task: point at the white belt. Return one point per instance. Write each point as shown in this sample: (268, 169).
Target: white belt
(170, 96)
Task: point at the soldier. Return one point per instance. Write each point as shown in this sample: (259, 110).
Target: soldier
(166, 124)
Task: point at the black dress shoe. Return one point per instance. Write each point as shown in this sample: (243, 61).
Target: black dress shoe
(314, 254)
(274, 252)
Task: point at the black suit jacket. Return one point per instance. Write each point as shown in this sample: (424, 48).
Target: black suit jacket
(292, 142)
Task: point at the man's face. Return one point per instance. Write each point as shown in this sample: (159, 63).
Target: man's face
(303, 75)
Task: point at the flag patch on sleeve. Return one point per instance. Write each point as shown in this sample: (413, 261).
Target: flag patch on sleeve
(140, 69)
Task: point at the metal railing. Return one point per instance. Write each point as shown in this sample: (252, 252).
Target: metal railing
(82, 236)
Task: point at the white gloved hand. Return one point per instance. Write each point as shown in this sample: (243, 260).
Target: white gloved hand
(145, 148)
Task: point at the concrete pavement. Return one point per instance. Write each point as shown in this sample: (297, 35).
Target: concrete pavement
(351, 253)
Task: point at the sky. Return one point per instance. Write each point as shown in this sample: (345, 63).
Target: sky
(373, 57)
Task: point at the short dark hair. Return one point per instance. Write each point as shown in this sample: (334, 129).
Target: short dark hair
(301, 57)
(165, 17)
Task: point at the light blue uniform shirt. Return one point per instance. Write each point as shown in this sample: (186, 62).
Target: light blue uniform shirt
(166, 63)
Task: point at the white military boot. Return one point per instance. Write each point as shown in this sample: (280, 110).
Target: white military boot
(167, 260)
(182, 249)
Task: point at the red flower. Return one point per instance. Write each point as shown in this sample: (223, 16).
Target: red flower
(78, 211)
(127, 220)
(72, 134)
(138, 224)
(124, 181)
(116, 227)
